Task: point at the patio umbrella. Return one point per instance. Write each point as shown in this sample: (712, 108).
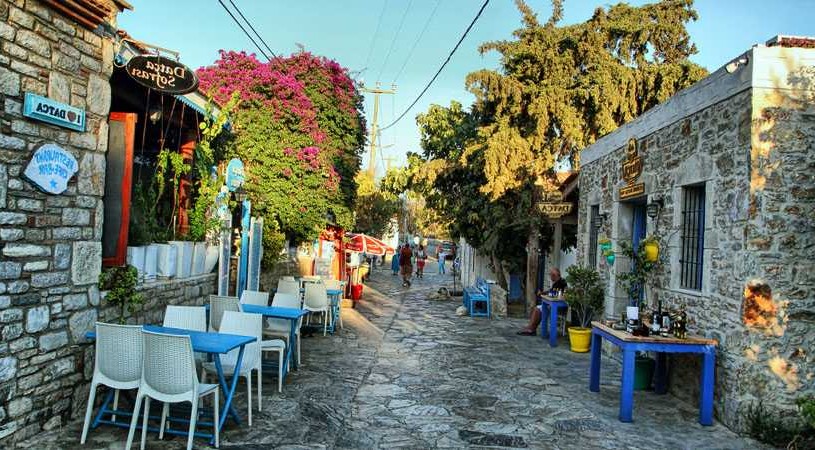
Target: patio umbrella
(367, 244)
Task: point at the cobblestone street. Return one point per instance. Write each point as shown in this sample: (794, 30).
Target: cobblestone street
(406, 372)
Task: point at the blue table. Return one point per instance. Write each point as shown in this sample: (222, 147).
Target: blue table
(630, 344)
(334, 295)
(549, 311)
(214, 344)
(293, 315)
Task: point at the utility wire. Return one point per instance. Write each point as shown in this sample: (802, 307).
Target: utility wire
(416, 42)
(237, 22)
(252, 28)
(376, 33)
(469, 27)
(393, 42)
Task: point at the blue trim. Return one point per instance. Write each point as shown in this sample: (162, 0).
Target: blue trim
(192, 105)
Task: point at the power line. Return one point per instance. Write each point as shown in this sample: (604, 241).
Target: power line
(393, 42)
(469, 27)
(416, 42)
(376, 33)
(252, 28)
(244, 30)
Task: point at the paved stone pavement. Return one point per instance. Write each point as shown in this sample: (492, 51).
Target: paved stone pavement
(406, 372)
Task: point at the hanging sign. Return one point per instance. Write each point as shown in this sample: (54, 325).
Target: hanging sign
(50, 168)
(234, 174)
(554, 210)
(50, 111)
(552, 196)
(162, 74)
(632, 169)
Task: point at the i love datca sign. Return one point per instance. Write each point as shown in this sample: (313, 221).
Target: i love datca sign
(51, 111)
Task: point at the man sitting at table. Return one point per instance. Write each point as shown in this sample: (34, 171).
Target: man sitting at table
(558, 284)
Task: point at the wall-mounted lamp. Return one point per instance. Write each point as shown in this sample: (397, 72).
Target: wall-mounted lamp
(600, 220)
(240, 194)
(653, 208)
(734, 65)
(154, 115)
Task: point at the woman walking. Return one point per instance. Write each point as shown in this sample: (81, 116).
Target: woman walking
(406, 264)
(395, 262)
(421, 256)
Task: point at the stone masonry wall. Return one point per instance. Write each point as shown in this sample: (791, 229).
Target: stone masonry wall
(50, 248)
(749, 236)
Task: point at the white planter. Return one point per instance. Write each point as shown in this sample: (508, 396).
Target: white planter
(167, 261)
(211, 261)
(135, 258)
(150, 262)
(199, 257)
(184, 262)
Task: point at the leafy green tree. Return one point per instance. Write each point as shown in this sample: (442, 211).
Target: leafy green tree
(375, 208)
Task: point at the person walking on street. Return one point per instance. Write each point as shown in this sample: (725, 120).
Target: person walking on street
(421, 256)
(405, 257)
(395, 262)
(441, 255)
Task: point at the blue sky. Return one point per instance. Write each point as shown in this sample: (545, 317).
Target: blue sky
(344, 30)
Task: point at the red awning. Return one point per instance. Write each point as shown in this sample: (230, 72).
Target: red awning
(367, 244)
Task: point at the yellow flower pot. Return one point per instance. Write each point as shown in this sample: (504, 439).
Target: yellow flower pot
(651, 251)
(579, 339)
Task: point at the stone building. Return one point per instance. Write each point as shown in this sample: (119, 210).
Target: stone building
(723, 174)
(62, 53)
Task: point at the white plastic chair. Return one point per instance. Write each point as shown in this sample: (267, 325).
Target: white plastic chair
(288, 287)
(186, 317)
(267, 345)
(168, 375)
(217, 306)
(255, 298)
(117, 363)
(316, 300)
(281, 327)
(287, 278)
(336, 285)
(242, 324)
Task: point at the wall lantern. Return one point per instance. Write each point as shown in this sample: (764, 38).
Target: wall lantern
(240, 194)
(600, 220)
(653, 208)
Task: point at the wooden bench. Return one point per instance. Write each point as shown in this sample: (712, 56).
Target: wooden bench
(477, 293)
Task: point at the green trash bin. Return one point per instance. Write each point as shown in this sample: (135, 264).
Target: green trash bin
(643, 373)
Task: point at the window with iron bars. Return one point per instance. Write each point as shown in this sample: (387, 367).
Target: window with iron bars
(594, 229)
(693, 237)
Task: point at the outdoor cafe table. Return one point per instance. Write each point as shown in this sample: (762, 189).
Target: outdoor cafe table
(293, 315)
(630, 344)
(549, 310)
(334, 296)
(215, 344)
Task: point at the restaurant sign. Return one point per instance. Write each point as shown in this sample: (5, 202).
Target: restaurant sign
(51, 111)
(234, 174)
(162, 74)
(555, 210)
(50, 168)
(632, 169)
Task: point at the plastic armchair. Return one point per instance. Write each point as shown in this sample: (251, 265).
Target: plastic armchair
(217, 306)
(117, 363)
(316, 300)
(281, 327)
(255, 298)
(186, 317)
(168, 375)
(242, 324)
(288, 287)
(267, 345)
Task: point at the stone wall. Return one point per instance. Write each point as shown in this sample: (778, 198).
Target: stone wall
(754, 152)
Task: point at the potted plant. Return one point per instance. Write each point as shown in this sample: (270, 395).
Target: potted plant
(585, 297)
(119, 287)
(651, 247)
(139, 230)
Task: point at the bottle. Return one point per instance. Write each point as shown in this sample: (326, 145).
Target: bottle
(656, 322)
(665, 330)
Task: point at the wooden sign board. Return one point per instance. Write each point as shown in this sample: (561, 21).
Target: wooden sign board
(162, 74)
(632, 191)
(552, 196)
(555, 210)
(631, 171)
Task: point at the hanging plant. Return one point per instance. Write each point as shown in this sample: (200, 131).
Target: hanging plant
(651, 246)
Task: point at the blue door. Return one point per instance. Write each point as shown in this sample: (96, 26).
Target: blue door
(637, 235)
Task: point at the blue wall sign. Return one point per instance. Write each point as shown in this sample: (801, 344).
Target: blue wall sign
(50, 168)
(53, 112)
(234, 174)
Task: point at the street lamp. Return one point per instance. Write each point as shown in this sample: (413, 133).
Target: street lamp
(653, 208)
